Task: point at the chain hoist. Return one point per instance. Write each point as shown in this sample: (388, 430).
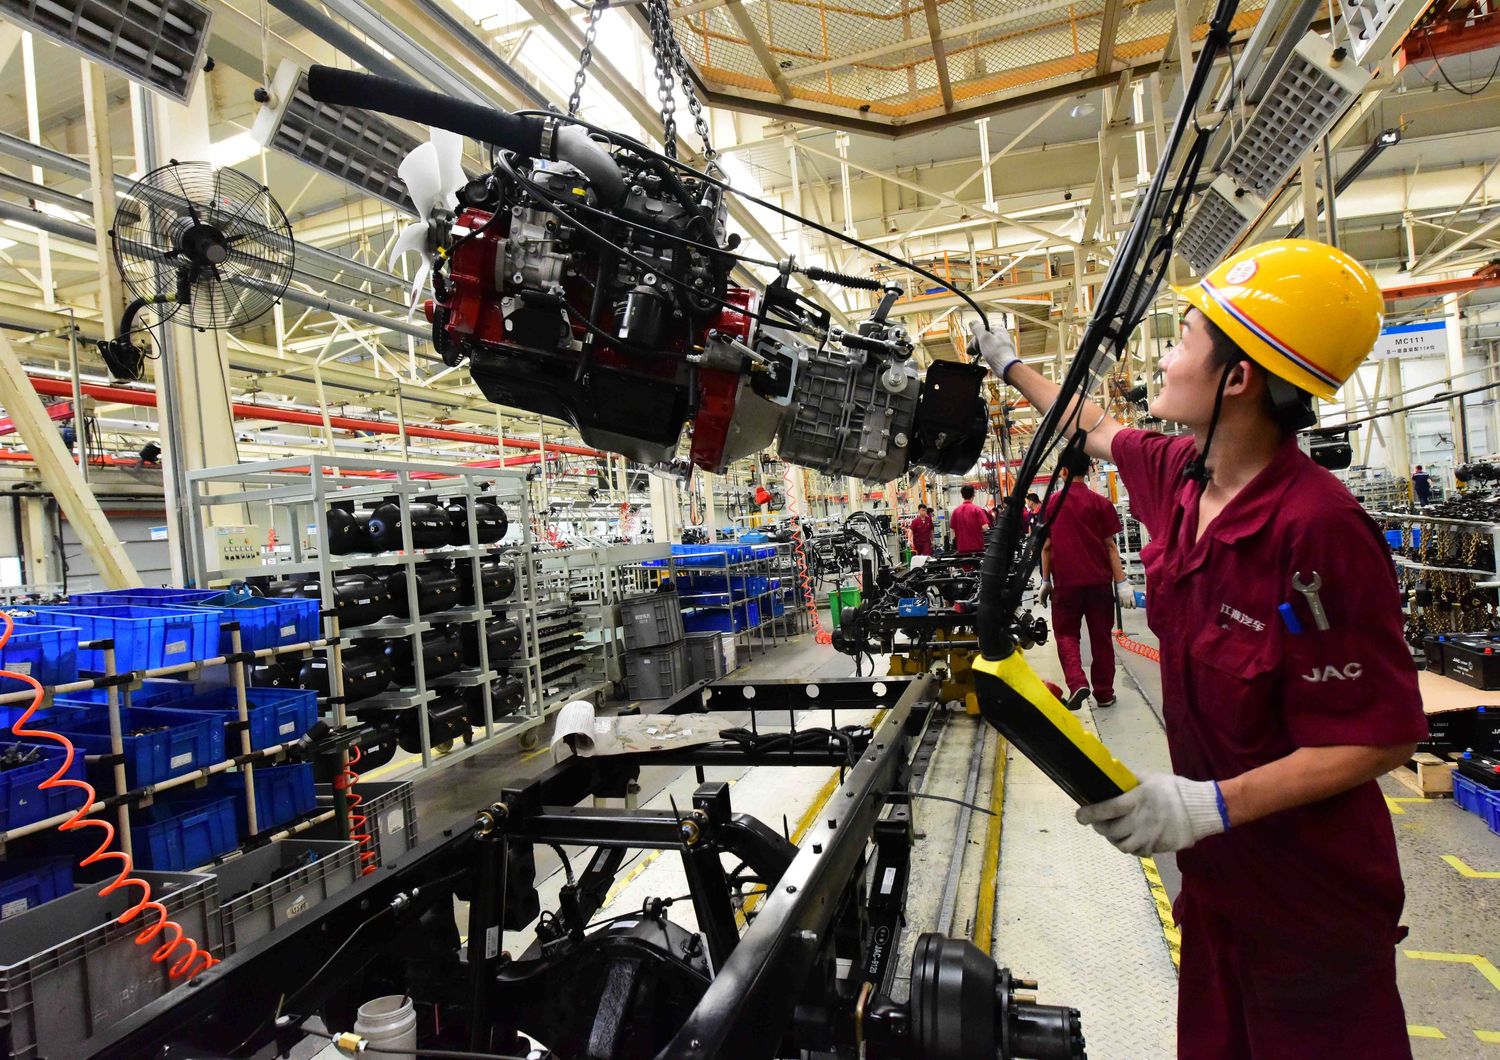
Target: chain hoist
(586, 54)
(663, 41)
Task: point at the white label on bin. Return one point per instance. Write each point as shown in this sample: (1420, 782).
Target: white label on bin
(289, 727)
(287, 631)
(176, 647)
(19, 668)
(12, 908)
(299, 906)
(491, 942)
(888, 881)
(395, 820)
(178, 761)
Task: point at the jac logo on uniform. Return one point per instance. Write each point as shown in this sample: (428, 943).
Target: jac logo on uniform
(1351, 672)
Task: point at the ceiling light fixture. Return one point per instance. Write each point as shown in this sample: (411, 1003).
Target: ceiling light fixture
(1082, 109)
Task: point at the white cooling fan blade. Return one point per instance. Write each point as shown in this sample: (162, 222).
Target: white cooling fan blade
(413, 240)
(421, 171)
(450, 153)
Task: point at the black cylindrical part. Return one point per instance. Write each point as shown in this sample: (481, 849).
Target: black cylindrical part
(358, 597)
(429, 526)
(490, 524)
(437, 588)
(1046, 1032)
(503, 638)
(275, 674)
(348, 530)
(507, 696)
(366, 670)
(442, 653)
(497, 577)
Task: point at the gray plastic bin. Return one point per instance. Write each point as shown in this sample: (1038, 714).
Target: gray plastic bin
(68, 972)
(705, 655)
(657, 673)
(391, 809)
(651, 620)
(277, 883)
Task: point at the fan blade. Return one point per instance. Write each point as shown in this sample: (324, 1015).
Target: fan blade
(450, 152)
(412, 240)
(421, 172)
(418, 283)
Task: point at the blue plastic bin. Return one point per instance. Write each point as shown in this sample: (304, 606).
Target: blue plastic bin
(39, 648)
(705, 620)
(35, 883)
(154, 692)
(22, 800)
(145, 637)
(276, 714)
(282, 794)
(265, 622)
(189, 741)
(144, 597)
(1393, 538)
(1492, 809)
(1468, 795)
(178, 834)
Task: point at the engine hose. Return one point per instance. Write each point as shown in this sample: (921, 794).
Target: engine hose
(794, 507)
(1145, 651)
(843, 279)
(193, 958)
(368, 859)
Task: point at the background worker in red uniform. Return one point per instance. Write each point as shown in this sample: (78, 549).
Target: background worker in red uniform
(921, 532)
(1083, 577)
(1279, 714)
(969, 522)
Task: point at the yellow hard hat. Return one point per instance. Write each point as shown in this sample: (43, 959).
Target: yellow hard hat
(1304, 311)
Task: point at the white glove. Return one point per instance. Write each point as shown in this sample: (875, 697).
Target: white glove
(1046, 591)
(995, 347)
(1164, 812)
(1125, 593)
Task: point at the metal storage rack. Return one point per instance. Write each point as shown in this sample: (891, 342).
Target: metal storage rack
(291, 497)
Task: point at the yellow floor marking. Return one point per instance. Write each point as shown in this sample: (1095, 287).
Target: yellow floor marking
(1464, 869)
(989, 868)
(1394, 804)
(640, 867)
(1482, 965)
(1488, 1037)
(1169, 929)
(1415, 1031)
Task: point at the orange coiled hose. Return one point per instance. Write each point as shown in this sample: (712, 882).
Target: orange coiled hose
(347, 779)
(192, 954)
(1145, 651)
(822, 636)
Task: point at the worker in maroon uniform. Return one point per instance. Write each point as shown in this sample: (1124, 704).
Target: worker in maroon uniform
(1286, 685)
(1083, 577)
(969, 522)
(921, 532)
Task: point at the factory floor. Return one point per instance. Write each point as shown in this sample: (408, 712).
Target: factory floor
(1091, 924)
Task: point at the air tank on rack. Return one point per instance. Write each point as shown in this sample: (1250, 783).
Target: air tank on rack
(359, 598)
(447, 719)
(498, 578)
(442, 653)
(507, 695)
(430, 526)
(366, 670)
(348, 529)
(437, 587)
(490, 524)
(276, 673)
(504, 639)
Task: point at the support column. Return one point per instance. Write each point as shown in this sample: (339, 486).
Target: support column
(984, 163)
(34, 134)
(666, 522)
(61, 474)
(37, 543)
(1453, 331)
(841, 143)
(1400, 444)
(102, 191)
(711, 505)
(856, 498)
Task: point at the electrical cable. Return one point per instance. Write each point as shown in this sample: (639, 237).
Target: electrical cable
(945, 798)
(1427, 40)
(184, 965)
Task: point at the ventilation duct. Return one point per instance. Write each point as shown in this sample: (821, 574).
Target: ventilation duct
(1300, 105)
(156, 43)
(357, 146)
(1223, 214)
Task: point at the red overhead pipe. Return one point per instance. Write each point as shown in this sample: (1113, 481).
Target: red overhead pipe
(131, 396)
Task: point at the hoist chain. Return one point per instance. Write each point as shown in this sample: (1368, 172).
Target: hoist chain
(586, 55)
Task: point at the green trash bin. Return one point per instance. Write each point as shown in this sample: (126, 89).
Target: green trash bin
(840, 599)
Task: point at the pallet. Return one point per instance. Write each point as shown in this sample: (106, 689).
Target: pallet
(1427, 775)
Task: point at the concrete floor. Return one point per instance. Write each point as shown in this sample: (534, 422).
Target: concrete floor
(1055, 917)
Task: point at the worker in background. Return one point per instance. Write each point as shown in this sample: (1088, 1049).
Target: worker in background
(1030, 512)
(1421, 484)
(1083, 577)
(921, 531)
(969, 522)
(1286, 686)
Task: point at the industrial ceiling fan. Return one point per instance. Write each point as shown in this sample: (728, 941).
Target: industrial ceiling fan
(207, 247)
